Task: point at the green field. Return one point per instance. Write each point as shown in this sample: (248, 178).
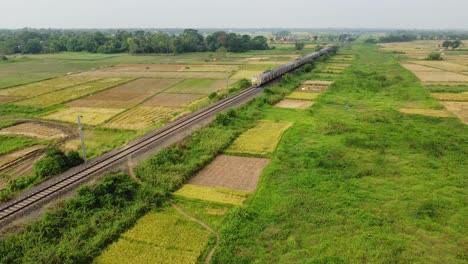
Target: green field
(198, 86)
(354, 181)
(11, 143)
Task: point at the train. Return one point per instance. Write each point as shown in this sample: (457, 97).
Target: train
(269, 75)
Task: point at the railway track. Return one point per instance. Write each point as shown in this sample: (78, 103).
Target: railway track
(16, 206)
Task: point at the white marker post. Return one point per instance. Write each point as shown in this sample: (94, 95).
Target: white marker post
(80, 128)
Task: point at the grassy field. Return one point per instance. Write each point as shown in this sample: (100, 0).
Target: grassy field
(302, 96)
(12, 143)
(198, 86)
(260, 140)
(159, 237)
(90, 115)
(143, 116)
(356, 181)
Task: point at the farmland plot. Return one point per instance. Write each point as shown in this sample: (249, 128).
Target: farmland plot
(158, 237)
(37, 88)
(443, 65)
(68, 94)
(198, 86)
(127, 95)
(169, 99)
(212, 194)
(436, 77)
(239, 173)
(211, 68)
(302, 95)
(260, 140)
(90, 115)
(290, 103)
(144, 68)
(34, 130)
(247, 74)
(458, 108)
(143, 116)
(318, 82)
(451, 96)
(427, 112)
(165, 75)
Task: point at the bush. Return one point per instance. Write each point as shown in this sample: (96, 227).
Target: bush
(3, 58)
(434, 56)
(212, 95)
(56, 162)
(222, 119)
(308, 67)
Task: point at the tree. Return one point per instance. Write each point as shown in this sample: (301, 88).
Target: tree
(457, 43)
(33, 46)
(300, 45)
(446, 44)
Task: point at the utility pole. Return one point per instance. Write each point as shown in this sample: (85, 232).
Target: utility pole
(80, 128)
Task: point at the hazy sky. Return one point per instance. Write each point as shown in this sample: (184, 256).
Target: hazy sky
(436, 14)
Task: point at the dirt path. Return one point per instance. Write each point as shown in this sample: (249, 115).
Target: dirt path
(206, 226)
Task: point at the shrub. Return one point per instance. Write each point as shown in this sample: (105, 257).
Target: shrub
(56, 162)
(434, 56)
(212, 95)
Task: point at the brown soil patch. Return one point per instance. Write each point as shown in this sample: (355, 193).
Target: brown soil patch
(36, 130)
(451, 96)
(145, 85)
(427, 112)
(458, 108)
(312, 88)
(239, 173)
(4, 159)
(145, 68)
(318, 82)
(7, 99)
(289, 103)
(441, 77)
(169, 99)
(419, 68)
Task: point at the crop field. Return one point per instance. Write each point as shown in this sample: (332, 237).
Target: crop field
(311, 88)
(143, 116)
(260, 140)
(419, 68)
(127, 95)
(198, 86)
(239, 173)
(90, 115)
(158, 237)
(68, 94)
(211, 68)
(441, 77)
(302, 95)
(451, 96)
(290, 103)
(34, 130)
(247, 74)
(144, 68)
(170, 99)
(458, 108)
(166, 75)
(212, 194)
(443, 65)
(427, 112)
(37, 88)
(318, 82)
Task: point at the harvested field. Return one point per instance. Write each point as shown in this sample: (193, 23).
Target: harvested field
(165, 75)
(245, 74)
(125, 96)
(211, 68)
(91, 115)
(71, 93)
(302, 95)
(419, 68)
(311, 88)
(289, 103)
(36, 130)
(159, 237)
(143, 116)
(451, 96)
(318, 82)
(443, 65)
(170, 99)
(212, 194)
(145, 68)
(42, 87)
(260, 140)
(427, 112)
(436, 77)
(239, 173)
(458, 108)
(198, 86)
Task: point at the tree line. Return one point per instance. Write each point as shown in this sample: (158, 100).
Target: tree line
(404, 37)
(190, 40)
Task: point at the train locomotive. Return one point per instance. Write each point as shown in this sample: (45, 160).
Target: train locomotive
(269, 75)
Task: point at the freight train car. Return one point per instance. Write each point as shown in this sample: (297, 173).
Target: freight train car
(267, 76)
